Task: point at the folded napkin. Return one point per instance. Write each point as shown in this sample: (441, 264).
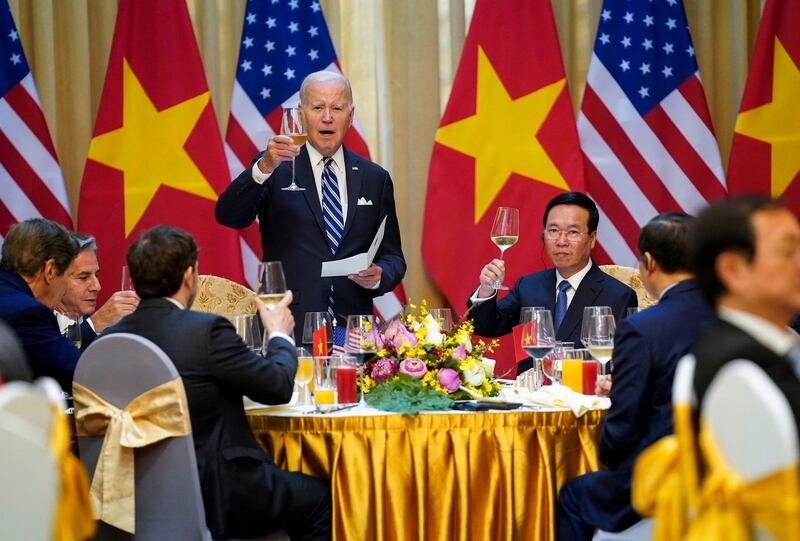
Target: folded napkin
(559, 396)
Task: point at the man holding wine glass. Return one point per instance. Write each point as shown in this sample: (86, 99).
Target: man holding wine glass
(244, 492)
(646, 349)
(318, 202)
(570, 232)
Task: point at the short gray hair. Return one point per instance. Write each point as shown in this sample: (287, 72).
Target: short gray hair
(325, 76)
(85, 242)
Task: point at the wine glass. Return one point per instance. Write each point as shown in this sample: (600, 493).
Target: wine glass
(247, 329)
(318, 333)
(304, 373)
(127, 283)
(590, 312)
(538, 338)
(601, 339)
(72, 332)
(271, 283)
(359, 342)
(551, 365)
(442, 316)
(292, 126)
(505, 232)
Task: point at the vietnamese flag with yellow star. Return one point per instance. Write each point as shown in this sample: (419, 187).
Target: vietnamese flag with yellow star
(507, 138)
(156, 154)
(765, 156)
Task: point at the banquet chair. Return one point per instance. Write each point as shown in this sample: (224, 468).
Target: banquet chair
(223, 297)
(168, 501)
(750, 452)
(29, 474)
(631, 278)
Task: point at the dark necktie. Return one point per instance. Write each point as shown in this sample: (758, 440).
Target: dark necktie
(332, 216)
(561, 303)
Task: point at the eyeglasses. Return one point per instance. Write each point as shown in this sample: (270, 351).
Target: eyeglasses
(554, 233)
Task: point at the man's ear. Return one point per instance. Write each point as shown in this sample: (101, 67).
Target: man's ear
(188, 277)
(649, 262)
(50, 271)
(730, 268)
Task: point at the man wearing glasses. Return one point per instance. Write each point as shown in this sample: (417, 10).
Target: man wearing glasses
(570, 232)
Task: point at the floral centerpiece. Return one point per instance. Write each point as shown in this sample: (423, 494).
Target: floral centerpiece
(418, 366)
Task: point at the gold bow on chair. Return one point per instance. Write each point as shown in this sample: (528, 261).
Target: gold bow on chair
(160, 413)
(731, 509)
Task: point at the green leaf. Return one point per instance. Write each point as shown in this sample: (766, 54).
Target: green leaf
(407, 396)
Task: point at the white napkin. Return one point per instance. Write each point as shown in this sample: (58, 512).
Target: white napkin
(559, 396)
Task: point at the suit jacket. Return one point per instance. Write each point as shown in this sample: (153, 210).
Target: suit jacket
(87, 334)
(292, 230)
(495, 318)
(48, 353)
(647, 348)
(217, 368)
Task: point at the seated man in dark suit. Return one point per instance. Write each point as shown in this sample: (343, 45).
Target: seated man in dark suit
(244, 492)
(647, 348)
(747, 255)
(570, 232)
(36, 255)
(80, 300)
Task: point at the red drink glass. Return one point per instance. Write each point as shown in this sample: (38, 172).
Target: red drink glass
(346, 384)
(589, 376)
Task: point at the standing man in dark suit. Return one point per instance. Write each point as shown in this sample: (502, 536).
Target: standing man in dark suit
(647, 348)
(570, 232)
(344, 199)
(36, 255)
(747, 254)
(244, 493)
(80, 299)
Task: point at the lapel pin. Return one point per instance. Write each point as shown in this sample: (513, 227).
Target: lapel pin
(355, 168)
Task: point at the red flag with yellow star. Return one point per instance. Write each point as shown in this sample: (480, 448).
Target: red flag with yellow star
(156, 155)
(765, 157)
(507, 138)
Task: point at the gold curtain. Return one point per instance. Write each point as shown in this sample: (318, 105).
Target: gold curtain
(400, 56)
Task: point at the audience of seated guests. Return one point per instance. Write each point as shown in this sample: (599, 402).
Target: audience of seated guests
(35, 256)
(244, 492)
(747, 255)
(647, 348)
(570, 232)
(80, 299)
(13, 364)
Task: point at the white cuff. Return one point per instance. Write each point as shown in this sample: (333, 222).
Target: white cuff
(476, 301)
(91, 324)
(279, 334)
(258, 176)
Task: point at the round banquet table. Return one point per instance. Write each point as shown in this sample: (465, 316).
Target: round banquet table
(436, 476)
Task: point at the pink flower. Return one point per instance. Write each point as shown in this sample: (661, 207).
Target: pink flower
(448, 378)
(397, 334)
(374, 338)
(414, 368)
(459, 354)
(382, 369)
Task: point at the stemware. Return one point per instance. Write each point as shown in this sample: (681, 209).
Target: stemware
(318, 333)
(589, 312)
(72, 332)
(271, 283)
(127, 283)
(442, 316)
(292, 125)
(551, 365)
(538, 338)
(505, 232)
(359, 342)
(304, 373)
(601, 339)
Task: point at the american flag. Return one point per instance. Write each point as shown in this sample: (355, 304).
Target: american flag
(31, 184)
(282, 42)
(644, 125)
(339, 335)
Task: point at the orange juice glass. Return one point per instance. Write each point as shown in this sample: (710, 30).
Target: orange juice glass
(572, 374)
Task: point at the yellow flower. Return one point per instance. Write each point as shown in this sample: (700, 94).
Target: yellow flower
(367, 384)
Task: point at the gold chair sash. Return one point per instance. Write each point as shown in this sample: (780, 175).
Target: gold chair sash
(160, 413)
(74, 521)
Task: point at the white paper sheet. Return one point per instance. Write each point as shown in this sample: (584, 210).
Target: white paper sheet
(356, 263)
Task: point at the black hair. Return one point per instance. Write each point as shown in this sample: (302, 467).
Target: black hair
(574, 198)
(158, 259)
(667, 238)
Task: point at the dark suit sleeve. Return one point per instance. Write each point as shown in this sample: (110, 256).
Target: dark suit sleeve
(494, 318)
(267, 380)
(624, 423)
(49, 353)
(390, 254)
(87, 334)
(239, 204)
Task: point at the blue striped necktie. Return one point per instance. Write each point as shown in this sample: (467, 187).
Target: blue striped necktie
(332, 216)
(561, 303)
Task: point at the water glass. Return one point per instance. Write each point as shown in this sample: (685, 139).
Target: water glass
(324, 381)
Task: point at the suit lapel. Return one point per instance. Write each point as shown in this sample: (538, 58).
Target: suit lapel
(588, 291)
(354, 178)
(304, 177)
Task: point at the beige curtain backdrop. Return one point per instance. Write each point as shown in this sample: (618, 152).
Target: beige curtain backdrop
(400, 55)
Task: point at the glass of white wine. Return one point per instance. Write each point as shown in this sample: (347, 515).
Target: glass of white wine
(292, 125)
(601, 339)
(589, 313)
(505, 232)
(538, 339)
(271, 283)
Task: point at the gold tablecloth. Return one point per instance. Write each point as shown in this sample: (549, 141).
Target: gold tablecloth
(448, 477)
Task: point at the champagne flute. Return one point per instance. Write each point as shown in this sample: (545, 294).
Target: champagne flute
(538, 339)
(442, 316)
(72, 332)
(292, 125)
(318, 333)
(271, 283)
(601, 339)
(127, 283)
(589, 312)
(505, 232)
(304, 373)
